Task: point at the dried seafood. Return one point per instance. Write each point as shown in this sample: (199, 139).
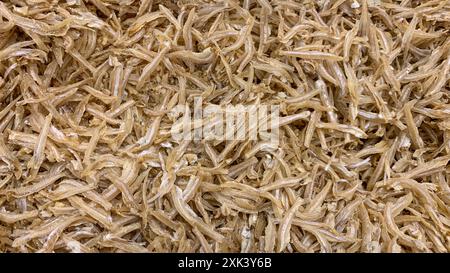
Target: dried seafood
(88, 163)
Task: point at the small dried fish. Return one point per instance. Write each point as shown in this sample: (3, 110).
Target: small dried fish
(314, 55)
(107, 143)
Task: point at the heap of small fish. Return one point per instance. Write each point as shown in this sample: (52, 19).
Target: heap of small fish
(88, 163)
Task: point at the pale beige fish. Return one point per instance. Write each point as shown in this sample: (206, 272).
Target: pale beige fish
(313, 55)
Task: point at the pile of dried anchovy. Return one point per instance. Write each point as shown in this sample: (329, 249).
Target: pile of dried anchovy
(88, 162)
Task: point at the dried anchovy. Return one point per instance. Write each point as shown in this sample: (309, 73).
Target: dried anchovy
(88, 163)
